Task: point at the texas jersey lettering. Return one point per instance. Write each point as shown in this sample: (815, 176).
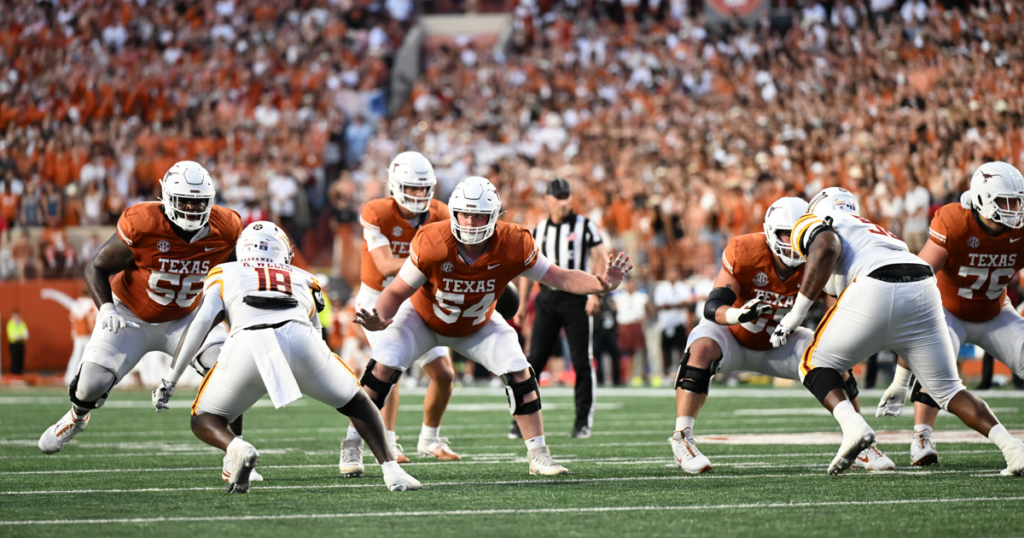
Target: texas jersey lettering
(168, 275)
(294, 292)
(973, 281)
(387, 226)
(749, 259)
(459, 297)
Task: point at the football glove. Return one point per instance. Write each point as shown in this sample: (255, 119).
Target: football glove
(894, 398)
(111, 320)
(162, 394)
(791, 320)
(750, 311)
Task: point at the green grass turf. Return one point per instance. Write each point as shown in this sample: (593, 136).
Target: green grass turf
(626, 465)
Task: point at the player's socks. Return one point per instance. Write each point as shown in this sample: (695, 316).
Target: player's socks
(682, 423)
(923, 428)
(80, 412)
(1002, 439)
(535, 442)
(353, 434)
(428, 433)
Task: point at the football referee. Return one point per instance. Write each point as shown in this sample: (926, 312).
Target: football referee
(570, 241)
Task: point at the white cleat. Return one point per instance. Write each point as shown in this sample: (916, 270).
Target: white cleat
(351, 463)
(243, 459)
(398, 451)
(687, 456)
(398, 480)
(225, 472)
(872, 459)
(922, 450)
(436, 448)
(58, 435)
(854, 443)
(542, 463)
(1015, 463)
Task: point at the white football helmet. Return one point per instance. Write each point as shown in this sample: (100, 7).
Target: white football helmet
(263, 241)
(780, 217)
(474, 195)
(997, 193)
(834, 199)
(411, 169)
(187, 182)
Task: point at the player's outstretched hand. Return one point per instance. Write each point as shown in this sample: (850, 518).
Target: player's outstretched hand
(786, 327)
(111, 320)
(371, 320)
(891, 404)
(618, 267)
(162, 394)
(750, 311)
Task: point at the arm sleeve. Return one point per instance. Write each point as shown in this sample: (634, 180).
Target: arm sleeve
(125, 230)
(195, 335)
(374, 239)
(939, 229)
(411, 274)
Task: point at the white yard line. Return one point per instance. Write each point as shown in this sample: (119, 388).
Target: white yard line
(499, 511)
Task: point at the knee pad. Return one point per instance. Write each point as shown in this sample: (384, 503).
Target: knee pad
(99, 401)
(693, 379)
(821, 381)
(381, 387)
(851, 386)
(516, 391)
(917, 396)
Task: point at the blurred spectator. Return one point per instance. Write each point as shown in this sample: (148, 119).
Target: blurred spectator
(90, 248)
(17, 337)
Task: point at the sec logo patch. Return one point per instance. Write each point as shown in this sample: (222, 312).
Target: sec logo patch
(447, 267)
(163, 246)
(396, 231)
(761, 279)
(973, 242)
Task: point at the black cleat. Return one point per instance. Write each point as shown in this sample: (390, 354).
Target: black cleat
(580, 432)
(513, 432)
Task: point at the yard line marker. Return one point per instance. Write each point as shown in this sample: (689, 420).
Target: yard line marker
(498, 511)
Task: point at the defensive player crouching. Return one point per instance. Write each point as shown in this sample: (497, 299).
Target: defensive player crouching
(975, 248)
(454, 272)
(146, 280)
(756, 287)
(275, 346)
(888, 300)
(389, 225)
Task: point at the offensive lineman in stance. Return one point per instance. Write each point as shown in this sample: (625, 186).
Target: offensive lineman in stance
(275, 346)
(756, 287)
(453, 275)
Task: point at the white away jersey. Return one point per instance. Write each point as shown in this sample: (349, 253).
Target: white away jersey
(245, 286)
(866, 247)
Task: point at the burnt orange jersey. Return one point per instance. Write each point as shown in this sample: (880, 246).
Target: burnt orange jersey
(382, 216)
(169, 272)
(459, 297)
(973, 281)
(749, 260)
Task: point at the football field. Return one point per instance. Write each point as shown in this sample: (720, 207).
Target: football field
(134, 472)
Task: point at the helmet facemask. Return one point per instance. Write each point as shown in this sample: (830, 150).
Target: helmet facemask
(416, 204)
(190, 213)
(782, 248)
(1004, 208)
(472, 235)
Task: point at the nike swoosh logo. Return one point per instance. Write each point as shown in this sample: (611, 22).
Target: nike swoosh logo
(208, 249)
(1015, 240)
(489, 267)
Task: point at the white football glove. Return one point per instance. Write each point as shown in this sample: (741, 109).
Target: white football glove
(162, 394)
(786, 326)
(112, 321)
(894, 398)
(750, 311)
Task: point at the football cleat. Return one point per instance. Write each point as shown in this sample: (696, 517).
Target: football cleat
(872, 459)
(1015, 463)
(398, 451)
(513, 431)
(58, 435)
(225, 472)
(922, 450)
(687, 456)
(351, 463)
(854, 442)
(580, 432)
(398, 480)
(243, 458)
(437, 448)
(542, 463)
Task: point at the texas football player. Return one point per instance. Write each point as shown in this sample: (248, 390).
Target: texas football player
(455, 271)
(389, 225)
(975, 248)
(756, 287)
(146, 280)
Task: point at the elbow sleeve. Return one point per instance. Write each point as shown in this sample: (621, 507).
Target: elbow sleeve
(717, 298)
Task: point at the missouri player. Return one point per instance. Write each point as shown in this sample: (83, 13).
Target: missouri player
(389, 225)
(975, 247)
(888, 300)
(756, 287)
(146, 281)
(455, 272)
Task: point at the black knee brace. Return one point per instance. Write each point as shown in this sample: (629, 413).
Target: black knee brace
(917, 396)
(693, 379)
(851, 386)
(821, 381)
(86, 405)
(381, 387)
(516, 391)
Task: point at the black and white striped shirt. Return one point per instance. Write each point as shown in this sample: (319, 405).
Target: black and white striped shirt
(568, 244)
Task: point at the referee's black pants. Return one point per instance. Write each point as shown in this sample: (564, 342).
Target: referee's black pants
(555, 310)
